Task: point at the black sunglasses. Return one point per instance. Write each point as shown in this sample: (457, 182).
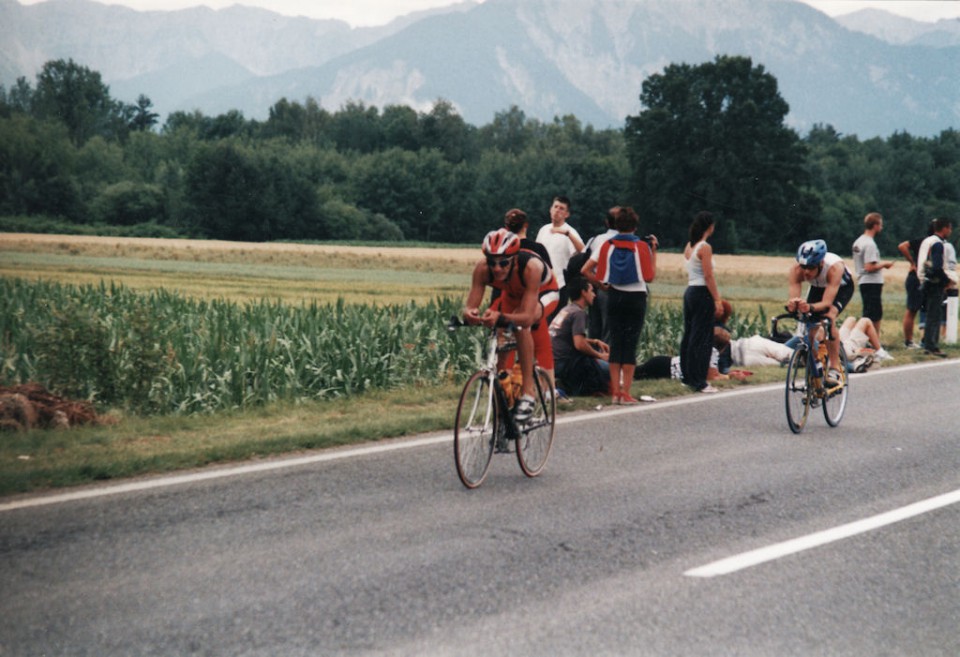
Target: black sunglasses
(502, 263)
(809, 267)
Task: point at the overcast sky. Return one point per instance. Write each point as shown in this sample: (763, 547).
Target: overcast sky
(379, 12)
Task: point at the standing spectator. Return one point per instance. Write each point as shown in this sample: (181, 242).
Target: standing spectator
(931, 269)
(623, 266)
(702, 304)
(516, 222)
(598, 310)
(869, 268)
(580, 362)
(561, 241)
(910, 249)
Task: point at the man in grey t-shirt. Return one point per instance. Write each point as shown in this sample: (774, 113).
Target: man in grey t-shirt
(580, 362)
(869, 268)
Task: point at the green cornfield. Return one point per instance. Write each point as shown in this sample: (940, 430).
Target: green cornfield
(159, 353)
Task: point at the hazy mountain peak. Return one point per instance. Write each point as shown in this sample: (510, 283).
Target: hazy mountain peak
(551, 58)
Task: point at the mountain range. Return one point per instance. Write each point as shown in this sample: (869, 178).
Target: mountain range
(869, 73)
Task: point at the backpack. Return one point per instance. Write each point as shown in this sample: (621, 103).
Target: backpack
(624, 259)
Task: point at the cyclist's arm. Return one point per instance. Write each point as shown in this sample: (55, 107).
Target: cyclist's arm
(471, 310)
(795, 286)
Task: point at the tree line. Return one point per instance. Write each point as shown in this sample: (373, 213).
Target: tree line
(711, 136)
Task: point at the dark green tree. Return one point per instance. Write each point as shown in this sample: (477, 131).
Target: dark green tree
(510, 131)
(141, 117)
(401, 128)
(443, 129)
(241, 193)
(356, 127)
(410, 189)
(76, 96)
(36, 169)
(294, 122)
(712, 137)
(18, 99)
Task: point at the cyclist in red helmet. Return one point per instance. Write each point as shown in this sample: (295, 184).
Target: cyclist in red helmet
(527, 286)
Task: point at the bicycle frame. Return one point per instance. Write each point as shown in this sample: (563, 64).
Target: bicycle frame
(811, 390)
(486, 424)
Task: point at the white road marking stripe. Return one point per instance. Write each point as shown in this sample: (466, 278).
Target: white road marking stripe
(175, 480)
(778, 550)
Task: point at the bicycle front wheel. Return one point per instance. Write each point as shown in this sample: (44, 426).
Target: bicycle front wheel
(536, 434)
(473, 435)
(835, 398)
(799, 392)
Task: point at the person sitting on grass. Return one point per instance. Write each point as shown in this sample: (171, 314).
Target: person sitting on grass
(580, 362)
(859, 337)
(668, 367)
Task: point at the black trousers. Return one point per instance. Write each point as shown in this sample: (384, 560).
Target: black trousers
(697, 341)
(933, 307)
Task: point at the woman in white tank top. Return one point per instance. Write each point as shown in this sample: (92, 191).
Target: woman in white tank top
(701, 305)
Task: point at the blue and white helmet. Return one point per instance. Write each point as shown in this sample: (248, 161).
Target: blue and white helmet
(811, 253)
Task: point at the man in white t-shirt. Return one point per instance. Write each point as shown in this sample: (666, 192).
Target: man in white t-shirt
(869, 268)
(561, 241)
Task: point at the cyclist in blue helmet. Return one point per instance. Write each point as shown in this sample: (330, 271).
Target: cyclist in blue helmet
(831, 288)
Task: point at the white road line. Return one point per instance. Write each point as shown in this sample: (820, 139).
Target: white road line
(779, 550)
(175, 480)
(394, 445)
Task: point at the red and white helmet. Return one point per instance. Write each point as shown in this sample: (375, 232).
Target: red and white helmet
(501, 243)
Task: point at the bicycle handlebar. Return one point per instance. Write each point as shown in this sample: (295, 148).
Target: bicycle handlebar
(456, 323)
(804, 318)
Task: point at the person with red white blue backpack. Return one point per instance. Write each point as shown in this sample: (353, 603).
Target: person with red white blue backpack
(623, 266)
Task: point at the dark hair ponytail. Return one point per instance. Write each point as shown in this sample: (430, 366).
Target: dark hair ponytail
(699, 227)
(515, 220)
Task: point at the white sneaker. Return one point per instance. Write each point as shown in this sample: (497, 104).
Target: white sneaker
(863, 363)
(524, 409)
(882, 354)
(833, 378)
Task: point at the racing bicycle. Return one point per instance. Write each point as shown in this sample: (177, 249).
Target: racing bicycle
(807, 386)
(485, 421)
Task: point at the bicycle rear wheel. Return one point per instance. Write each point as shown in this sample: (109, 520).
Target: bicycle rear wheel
(798, 390)
(536, 434)
(473, 435)
(835, 398)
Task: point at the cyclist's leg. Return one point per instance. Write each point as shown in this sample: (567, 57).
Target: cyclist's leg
(543, 350)
(525, 354)
(844, 294)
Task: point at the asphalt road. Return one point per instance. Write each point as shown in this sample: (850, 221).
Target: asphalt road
(612, 551)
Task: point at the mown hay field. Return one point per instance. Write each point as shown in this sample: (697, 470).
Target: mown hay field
(323, 273)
